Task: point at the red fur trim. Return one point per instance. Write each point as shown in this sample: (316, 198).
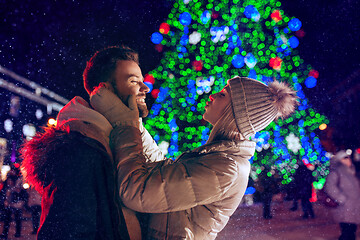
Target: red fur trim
(35, 155)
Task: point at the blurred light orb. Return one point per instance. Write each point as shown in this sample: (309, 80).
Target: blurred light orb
(39, 114)
(219, 33)
(184, 40)
(8, 125)
(310, 82)
(185, 18)
(238, 61)
(275, 63)
(283, 39)
(205, 17)
(252, 13)
(156, 38)
(52, 122)
(250, 60)
(155, 93)
(29, 130)
(250, 190)
(159, 47)
(149, 78)
(38, 91)
(164, 28)
(194, 38)
(294, 24)
(323, 126)
(215, 14)
(197, 65)
(300, 33)
(276, 16)
(314, 73)
(149, 85)
(294, 42)
(252, 74)
(4, 170)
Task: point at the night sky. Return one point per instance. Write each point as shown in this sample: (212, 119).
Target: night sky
(49, 43)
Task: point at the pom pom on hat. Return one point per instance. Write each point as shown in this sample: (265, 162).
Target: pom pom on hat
(284, 98)
(256, 105)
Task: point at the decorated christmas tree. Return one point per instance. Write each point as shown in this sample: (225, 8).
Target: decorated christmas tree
(205, 43)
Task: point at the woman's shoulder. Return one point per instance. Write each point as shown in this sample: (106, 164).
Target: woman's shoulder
(225, 146)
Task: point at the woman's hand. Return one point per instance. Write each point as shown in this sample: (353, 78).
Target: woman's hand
(116, 112)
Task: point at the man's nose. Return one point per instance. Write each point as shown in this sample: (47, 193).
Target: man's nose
(144, 88)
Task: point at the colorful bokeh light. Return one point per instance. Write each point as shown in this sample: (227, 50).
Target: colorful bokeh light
(213, 41)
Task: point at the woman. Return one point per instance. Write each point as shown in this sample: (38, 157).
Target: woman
(193, 197)
(343, 186)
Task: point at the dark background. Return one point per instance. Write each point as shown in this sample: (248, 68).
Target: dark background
(49, 43)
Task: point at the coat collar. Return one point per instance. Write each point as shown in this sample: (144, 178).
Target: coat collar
(80, 117)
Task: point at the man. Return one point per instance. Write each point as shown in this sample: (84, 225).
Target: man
(71, 164)
(303, 180)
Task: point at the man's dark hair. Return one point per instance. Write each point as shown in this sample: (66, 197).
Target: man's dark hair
(102, 65)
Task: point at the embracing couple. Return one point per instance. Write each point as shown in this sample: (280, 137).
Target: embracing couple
(102, 176)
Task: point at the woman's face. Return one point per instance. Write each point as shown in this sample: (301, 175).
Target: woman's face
(346, 161)
(216, 106)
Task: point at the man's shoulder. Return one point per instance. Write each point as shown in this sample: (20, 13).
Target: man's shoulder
(77, 156)
(78, 141)
(55, 153)
(79, 145)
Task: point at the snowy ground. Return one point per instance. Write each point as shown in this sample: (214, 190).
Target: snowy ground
(247, 223)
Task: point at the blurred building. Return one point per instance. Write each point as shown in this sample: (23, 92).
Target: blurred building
(343, 130)
(25, 106)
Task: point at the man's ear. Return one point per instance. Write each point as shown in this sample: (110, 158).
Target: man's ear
(107, 85)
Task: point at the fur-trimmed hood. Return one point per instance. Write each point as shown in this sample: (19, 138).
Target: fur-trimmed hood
(76, 116)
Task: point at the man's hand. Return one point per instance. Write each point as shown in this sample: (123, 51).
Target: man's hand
(115, 111)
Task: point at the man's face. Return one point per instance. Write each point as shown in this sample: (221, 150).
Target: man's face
(128, 80)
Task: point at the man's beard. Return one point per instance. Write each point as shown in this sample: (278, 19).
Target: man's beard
(143, 110)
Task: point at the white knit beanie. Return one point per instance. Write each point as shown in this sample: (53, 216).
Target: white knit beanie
(256, 105)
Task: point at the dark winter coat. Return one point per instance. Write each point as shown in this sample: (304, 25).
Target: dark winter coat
(304, 180)
(268, 185)
(77, 186)
(71, 167)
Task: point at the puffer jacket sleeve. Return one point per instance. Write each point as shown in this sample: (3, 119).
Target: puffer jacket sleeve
(151, 151)
(332, 187)
(161, 187)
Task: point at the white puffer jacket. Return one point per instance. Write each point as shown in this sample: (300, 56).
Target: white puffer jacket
(191, 198)
(343, 186)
